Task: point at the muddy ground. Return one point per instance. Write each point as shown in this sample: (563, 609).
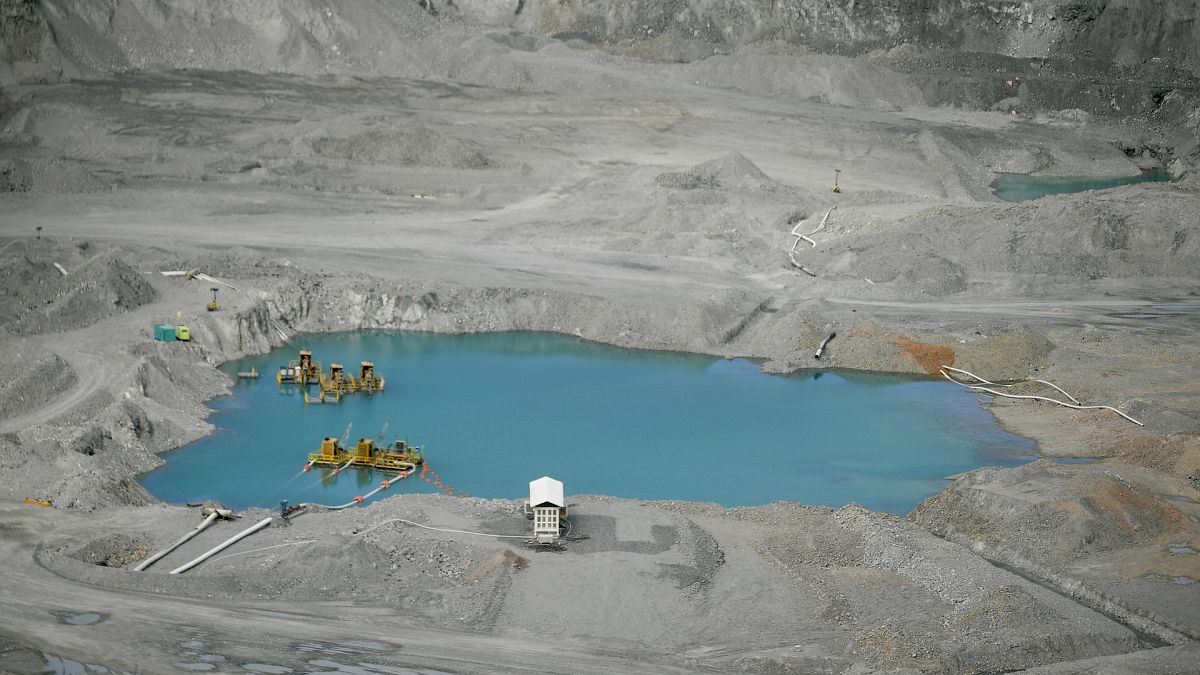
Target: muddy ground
(549, 172)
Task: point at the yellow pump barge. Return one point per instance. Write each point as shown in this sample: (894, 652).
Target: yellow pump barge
(301, 371)
(337, 381)
(400, 456)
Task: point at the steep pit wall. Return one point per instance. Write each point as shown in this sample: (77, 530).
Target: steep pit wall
(1123, 31)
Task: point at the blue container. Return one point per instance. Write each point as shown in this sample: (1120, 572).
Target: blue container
(164, 333)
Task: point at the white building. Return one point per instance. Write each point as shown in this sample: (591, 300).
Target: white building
(548, 506)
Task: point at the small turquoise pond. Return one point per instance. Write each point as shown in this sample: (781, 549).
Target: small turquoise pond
(494, 411)
(1018, 187)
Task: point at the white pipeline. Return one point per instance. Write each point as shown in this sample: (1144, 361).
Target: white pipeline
(1074, 406)
(821, 348)
(1060, 389)
(343, 467)
(212, 518)
(223, 545)
(802, 268)
(445, 529)
(806, 236)
(356, 500)
(260, 550)
(977, 378)
(1062, 403)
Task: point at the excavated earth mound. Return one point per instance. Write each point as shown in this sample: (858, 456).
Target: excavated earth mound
(103, 286)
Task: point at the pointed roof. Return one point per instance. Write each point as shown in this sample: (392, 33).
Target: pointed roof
(546, 490)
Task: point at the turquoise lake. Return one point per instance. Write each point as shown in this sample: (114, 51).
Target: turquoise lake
(1018, 187)
(494, 411)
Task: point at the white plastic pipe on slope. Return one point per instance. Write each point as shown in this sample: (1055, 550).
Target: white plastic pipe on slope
(806, 237)
(970, 374)
(796, 233)
(212, 518)
(1061, 390)
(223, 545)
(1064, 404)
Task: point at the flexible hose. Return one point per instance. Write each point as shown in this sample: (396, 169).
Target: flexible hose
(443, 529)
(1075, 406)
(214, 561)
(212, 518)
(223, 545)
(1061, 390)
(356, 500)
(980, 379)
(1065, 405)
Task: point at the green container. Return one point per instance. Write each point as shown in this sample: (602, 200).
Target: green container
(164, 333)
(182, 333)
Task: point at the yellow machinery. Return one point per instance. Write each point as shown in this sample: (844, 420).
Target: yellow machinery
(338, 382)
(300, 371)
(367, 380)
(400, 456)
(212, 306)
(323, 397)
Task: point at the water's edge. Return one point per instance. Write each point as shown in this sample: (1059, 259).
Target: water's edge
(263, 349)
(1020, 187)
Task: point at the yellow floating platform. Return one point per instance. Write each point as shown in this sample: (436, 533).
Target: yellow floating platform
(337, 381)
(302, 371)
(400, 456)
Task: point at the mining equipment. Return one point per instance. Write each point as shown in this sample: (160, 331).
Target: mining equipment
(338, 382)
(212, 306)
(303, 371)
(367, 380)
(399, 456)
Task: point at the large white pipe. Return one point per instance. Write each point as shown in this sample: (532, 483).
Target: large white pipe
(356, 500)
(223, 545)
(212, 518)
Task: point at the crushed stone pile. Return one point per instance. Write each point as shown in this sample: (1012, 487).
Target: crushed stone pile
(731, 171)
(49, 175)
(30, 377)
(102, 286)
(420, 146)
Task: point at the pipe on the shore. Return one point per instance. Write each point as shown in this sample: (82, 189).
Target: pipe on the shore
(212, 518)
(1062, 403)
(357, 500)
(1061, 390)
(443, 529)
(821, 348)
(1075, 406)
(223, 545)
(977, 378)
